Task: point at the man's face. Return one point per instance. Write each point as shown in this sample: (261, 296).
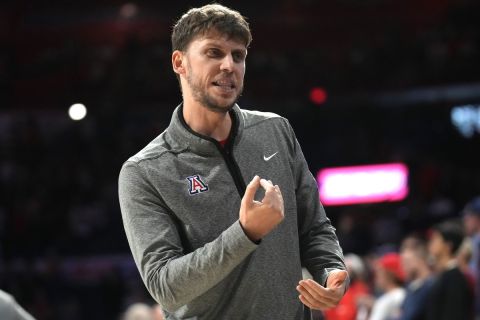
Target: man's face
(437, 246)
(471, 223)
(410, 263)
(381, 278)
(214, 71)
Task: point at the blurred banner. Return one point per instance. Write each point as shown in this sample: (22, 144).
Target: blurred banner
(363, 184)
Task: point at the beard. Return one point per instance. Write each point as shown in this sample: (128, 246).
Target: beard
(201, 95)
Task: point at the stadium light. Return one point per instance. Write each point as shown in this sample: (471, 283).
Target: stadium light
(318, 95)
(466, 119)
(77, 111)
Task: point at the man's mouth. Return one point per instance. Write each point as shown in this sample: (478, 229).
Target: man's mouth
(224, 84)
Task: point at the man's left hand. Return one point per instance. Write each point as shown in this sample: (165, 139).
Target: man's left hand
(315, 296)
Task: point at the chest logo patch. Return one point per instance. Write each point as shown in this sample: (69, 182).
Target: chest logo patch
(196, 185)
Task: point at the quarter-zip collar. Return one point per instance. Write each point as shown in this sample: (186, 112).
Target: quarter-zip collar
(183, 136)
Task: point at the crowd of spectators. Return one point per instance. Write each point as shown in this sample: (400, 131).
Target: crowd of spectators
(430, 275)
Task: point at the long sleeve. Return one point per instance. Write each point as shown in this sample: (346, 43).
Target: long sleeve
(172, 277)
(319, 246)
(11, 310)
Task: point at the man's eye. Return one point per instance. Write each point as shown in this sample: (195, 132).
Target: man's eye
(213, 53)
(238, 57)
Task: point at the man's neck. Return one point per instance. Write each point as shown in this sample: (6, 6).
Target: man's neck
(445, 262)
(390, 287)
(424, 273)
(200, 119)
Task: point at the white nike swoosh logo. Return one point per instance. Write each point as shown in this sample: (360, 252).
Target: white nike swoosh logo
(270, 157)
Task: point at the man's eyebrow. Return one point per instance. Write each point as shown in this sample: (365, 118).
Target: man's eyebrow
(242, 51)
(219, 44)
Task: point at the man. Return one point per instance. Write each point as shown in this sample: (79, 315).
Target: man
(414, 256)
(389, 278)
(208, 245)
(471, 222)
(450, 296)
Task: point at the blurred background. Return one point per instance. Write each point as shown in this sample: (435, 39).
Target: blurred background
(361, 81)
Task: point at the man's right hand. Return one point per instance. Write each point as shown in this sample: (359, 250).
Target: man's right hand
(259, 218)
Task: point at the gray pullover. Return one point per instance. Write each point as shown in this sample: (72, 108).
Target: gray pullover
(10, 309)
(180, 199)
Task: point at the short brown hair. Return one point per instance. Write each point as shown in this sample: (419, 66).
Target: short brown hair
(199, 21)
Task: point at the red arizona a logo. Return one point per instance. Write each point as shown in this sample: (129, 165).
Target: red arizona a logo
(196, 185)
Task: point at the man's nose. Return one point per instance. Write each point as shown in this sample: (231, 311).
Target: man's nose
(227, 63)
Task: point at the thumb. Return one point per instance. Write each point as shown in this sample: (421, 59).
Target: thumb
(250, 191)
(336, 278)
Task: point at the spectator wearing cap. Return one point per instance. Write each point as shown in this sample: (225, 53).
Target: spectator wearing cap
(471, 222)
(389, 278)
(451, 296)
(418, 274)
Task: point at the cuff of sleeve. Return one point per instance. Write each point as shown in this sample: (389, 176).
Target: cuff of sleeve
(321, 277)
(256, 242)
(238, 241)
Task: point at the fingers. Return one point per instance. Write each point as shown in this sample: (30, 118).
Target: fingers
(273, 195)
(319, 292)
(317, 297)
(260, 218)
(251, 189)
(313, 305)
(278, 191)
(267, 185)
(311, 302)
(306, 302)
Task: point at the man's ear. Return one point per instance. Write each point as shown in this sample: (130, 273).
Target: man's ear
(178, 62)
